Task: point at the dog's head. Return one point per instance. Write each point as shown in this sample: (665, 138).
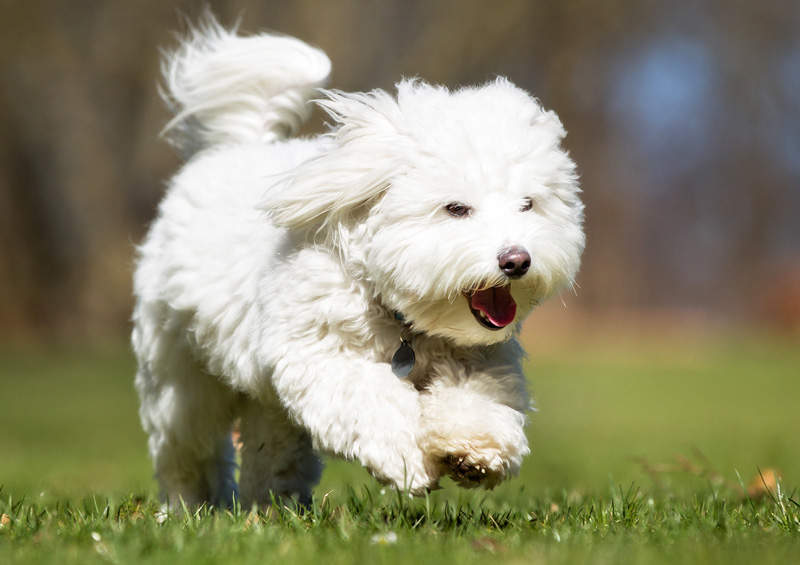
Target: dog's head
(460, 208)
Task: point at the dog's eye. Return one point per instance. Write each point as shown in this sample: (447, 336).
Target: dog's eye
(527, 205)
(458, 210)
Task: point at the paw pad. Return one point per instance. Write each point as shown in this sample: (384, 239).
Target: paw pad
(469, 474)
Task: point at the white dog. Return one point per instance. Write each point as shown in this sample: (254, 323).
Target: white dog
(357, 292)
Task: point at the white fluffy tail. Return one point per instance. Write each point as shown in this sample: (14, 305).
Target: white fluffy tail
(225, 88)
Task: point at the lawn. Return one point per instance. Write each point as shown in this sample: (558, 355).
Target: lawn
(640, 451)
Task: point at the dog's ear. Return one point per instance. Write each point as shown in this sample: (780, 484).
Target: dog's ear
(364, 153)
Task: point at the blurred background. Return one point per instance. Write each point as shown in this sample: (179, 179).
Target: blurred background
(683, 117)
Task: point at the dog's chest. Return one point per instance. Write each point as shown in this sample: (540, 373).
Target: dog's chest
(429, 359)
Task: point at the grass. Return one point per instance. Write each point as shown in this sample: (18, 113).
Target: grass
(367, 526)
(642, 452)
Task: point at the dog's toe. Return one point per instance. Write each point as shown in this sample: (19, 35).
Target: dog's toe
(469, 474)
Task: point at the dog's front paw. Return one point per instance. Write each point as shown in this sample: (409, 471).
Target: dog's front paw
(476, 461)
(468, 473)
(403, 467)
(471, 439)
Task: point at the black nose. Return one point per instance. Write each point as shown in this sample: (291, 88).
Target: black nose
(514, 262)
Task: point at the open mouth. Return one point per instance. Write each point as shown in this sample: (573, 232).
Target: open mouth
(494, 308)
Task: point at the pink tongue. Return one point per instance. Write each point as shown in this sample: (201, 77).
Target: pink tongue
(496, 303)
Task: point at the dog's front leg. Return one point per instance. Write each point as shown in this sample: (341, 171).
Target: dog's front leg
(357, 409)
(473, 419)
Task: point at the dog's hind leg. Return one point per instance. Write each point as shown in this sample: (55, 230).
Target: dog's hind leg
(187, 415)
(277, 457)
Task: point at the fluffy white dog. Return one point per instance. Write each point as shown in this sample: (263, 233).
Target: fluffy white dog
(357, 292)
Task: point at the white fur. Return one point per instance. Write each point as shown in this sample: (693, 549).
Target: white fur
(267, 286)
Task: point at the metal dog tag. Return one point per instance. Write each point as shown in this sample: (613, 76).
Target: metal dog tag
(403, 360)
